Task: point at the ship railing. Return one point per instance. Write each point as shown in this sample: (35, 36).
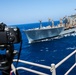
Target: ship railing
(52, 68)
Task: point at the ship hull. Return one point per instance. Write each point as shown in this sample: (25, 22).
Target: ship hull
(35, 35)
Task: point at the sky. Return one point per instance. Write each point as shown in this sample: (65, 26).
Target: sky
(14, 12)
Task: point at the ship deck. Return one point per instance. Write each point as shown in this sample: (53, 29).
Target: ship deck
(72, 30)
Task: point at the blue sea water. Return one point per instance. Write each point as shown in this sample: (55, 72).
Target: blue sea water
(47, 52)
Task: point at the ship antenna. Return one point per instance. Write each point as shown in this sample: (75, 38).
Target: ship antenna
(40, 23)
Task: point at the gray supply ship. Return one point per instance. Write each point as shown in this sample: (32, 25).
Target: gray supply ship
(49, 31)
(36, 34)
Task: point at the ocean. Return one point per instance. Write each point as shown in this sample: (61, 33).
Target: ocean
(47, 52)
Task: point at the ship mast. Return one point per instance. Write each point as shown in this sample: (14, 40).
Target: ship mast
(40, 23)
(49, 21)
(52, 23)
